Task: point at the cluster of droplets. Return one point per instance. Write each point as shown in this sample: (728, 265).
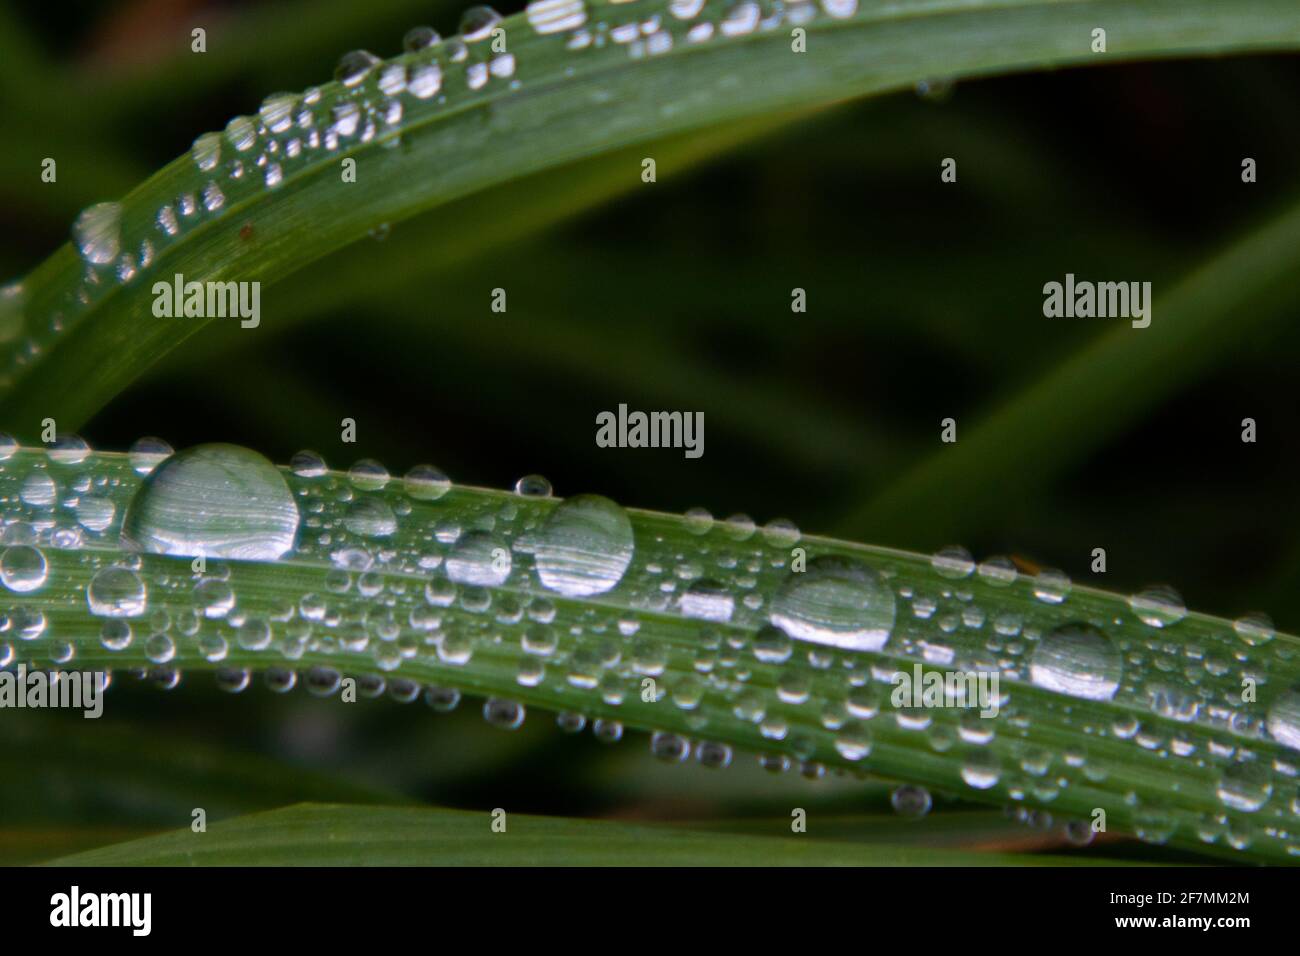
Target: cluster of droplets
(759, 633)
(372, 101)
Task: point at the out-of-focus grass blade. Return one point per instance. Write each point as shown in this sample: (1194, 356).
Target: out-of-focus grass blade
(965, 487)
(327, 835)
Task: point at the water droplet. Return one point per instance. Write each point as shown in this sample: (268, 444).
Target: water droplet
(953, 562)
(836, 601)
(1159, 606)
(533, 486)
(148, 453)
(1254, 629)
(1052, 586)
(707, 601)
(115, 635)
(23, 568)
(426, 483)
(370, 518)
(38, 490)
(910, 801)
(95, 513)
(1246, 786)
(425, 81)
(981, 770)
(98, 232)
(1284, 719)
(781, 533)
(479, 558)
(354, 66)
(116, 592)
(476, 23)
(506, 714)
(276, 112)
(242, 133)
(368, 475)
(308, 464)
(584, 547)
(668, 747)
(419, 38)
(853, 741)
(159, 648)
(218, 501)
(442, 699)
(206, 151)
(1078, 660)
(68, 450)
(553, 16)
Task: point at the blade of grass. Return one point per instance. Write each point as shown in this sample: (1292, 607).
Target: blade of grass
(73, 343)
(1174, 751)
(328, 835)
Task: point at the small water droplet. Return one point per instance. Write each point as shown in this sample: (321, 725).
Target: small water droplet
(910, 801)
(426, 483)
(420, 38)
(533, 486)
(147, 454)
(506, 714)
(1254, 629)
(479, 558)
(23, 568)
(98, 232)
(354, 66)
(116, 592)
(477, 23)
(206, 151)
(707, 601)
(1246, 786)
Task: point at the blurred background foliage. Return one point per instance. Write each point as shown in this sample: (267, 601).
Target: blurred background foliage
(924, 301)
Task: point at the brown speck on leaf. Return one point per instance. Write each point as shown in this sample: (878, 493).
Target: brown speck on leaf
(246, 231)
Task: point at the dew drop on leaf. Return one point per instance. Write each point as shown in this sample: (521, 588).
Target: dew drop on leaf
(216, 501)
(585, 547)
(1078, 660)
(97, 232)
(838, 602)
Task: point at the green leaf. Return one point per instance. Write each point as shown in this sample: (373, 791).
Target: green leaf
(1179, 726)
(76, 334)
(331, 835)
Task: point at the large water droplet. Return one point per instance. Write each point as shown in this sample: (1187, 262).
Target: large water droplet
(836, 601)
(218, 501)
(1078, 660)
(585, 547)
